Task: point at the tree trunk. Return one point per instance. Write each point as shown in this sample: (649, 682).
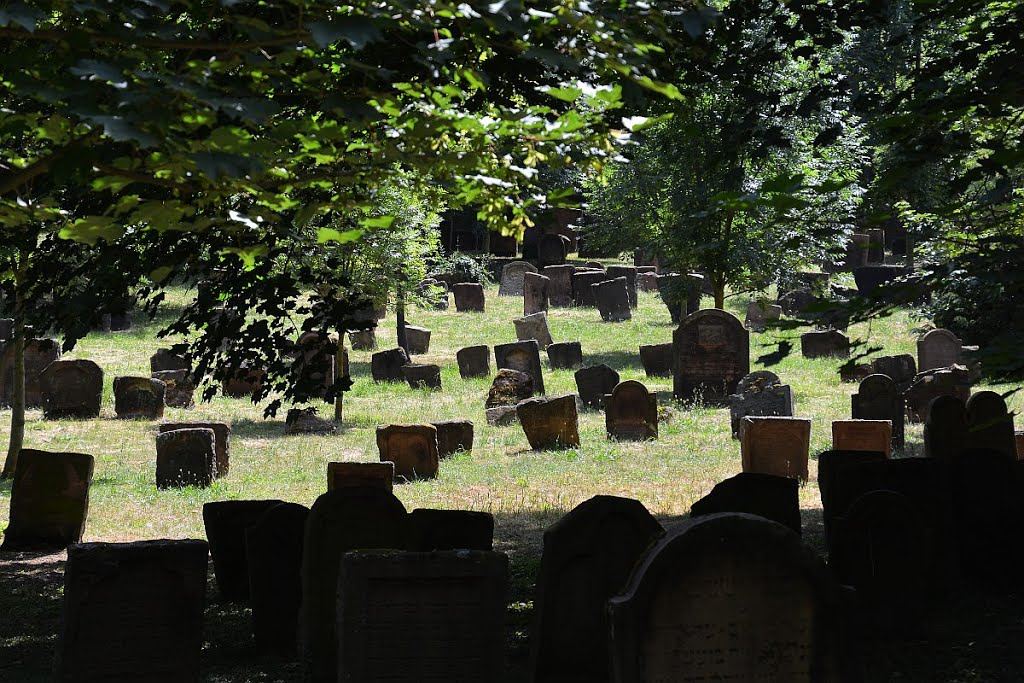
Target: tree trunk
(719, 294)
(339, 400)
(17, 437)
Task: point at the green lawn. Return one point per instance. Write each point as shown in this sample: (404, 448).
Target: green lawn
(526, 491)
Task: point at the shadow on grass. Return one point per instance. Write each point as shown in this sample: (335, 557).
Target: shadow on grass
(616, 360)
(273, 428)
(30, 602)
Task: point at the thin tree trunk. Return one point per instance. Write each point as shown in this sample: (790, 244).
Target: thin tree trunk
(17, 437)
(719, 295)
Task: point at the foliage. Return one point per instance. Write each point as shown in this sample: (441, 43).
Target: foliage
(465, 267)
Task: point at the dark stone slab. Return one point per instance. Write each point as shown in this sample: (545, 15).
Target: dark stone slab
(222, 440)
(878, 398)
(225, 522)
(631, 412)
(583, 287)
(186, 457)
(386, 366)
(431, 530)
(594, 382)
(453, 436)
(174, 358)
(422, 376)
(656, 359)
(342, 474)
(412, 447)
(179, 388)
(474, 361)
(765, 495)
(469, 296)
(509, 388)
(139, 398)
(712, 353)
(612, 299)
(72, 389)
(825, 344)
(565, 355)
(523, 356)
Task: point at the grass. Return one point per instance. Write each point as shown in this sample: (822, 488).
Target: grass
(526, 491)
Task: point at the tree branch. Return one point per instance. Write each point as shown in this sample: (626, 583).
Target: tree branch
(11, 181)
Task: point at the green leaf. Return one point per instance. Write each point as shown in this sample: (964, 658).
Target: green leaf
(377, 221)
(247, 254)
(92, 228)
(324, 235)
(357, 31)
(564, 94)
(160, 274)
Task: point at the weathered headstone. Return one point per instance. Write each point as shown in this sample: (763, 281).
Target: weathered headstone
(225, 522)
(417, 339)
(71, 388)
(49, 500)
(469, 296)
(39, 353)
(765, 495)
(877, 398)
(186, 457)
(412, 447)
(862, 435)
(133, 611)
(474, 361)
(512, 278)
(990, 424)
(759, 314)
(825, 344)
(594, 382)
(174, 358)
(431, 530)
(559, 285)
(762, 394)
(344, 474)
(857, 251)
(612, 299)
(550, 422)
(797, 301)
(363, 340)
(534, 326)
(222, 440)
(422, 375)
(728, 597)
(565, 355)
(930, 384)
(535, 293)
(509, 388)
(583, 287)
(340, 521)
(588, 555)
(179, 388)
(386, 366)
(656, 359)
(631, 412)
(712, 352)
(775, 445)
(501, 416)
(244, 382)
(453, 436)
(938, 349)
(646, 281)
(523, 356)
(307, 421)
(315, 362)
(139, 398)
(618, 270)
(551, 250)
(901, 368)
(413, 617)
(870, 278)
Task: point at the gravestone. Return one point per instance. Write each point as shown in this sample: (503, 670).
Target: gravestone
(71, 388)
(173, 358)
(523, 356)
(728, 597)
(656, 359)
(938, 349)
(930, 384)
(363, 340)
(565, 355)
(133, 611)
(503, 245)
(244, 382)
(6, 329)
(550, 422)
(680, 293)
(551, 250)
(857, 251)
(617, 270)
(825, 344)
(797, 301)
(315, 362)
(509, 388)
(469, 296)
(760, 394)
(765, 495)
(594, 382)
(179, 388)
(535, 293)
(340, 521)
(711, 353)
(186, 457)
(833, 487)
(431, 530)
(474, 361)
(346, 474)
(273, 551)
(453, 436)
(876, 245)
(49, 500)
(855, 372)
(901, 368)
(759, 314)
(412, 447)
(646, 281)
(559, 285)
(775, 445)
(990, 424)
(862, 435)
(588, 555)
(870, 278)
(513, 278)
(612, 300)
(307, 421)
(39, 353)
(631, 412)
(417, 339)
(225, 522)
(434, 293)
(535, 327)
(386, 366)
(877, 398)
(501, 416)
(222, 440)
(414, 617)
(583, 282)
(139, 398)
(422, 375)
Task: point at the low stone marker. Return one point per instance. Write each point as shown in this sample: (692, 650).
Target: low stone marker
(759, 314)
(550, 423)
(776, 445)
(418, 339)
(535, 327)
(509, 388)
(386, 366)
(938, 348)
(501, 416)
(39, 353)
(565, 355)
(71, 389)
(307, 421)
(133, 611)
(469, 296)
(930, 384)
(453, 436)
(179, 388)
(766, 495)
(474, 361)
(446, 609)
(363, 340)
(222, 440)
(244, 383)
(862, 435)
(825, 344)
(535, 293)
(656, 359)
(49, 500)
(582, 287)
(422, 376)
(225, 522)
(612, 299)
(552, 250)
(877, 398)
(631, 412)
(523, 356)
(594, 382)
(647, 281)
(431, 530)
(990, 424)
(559, 285)
(513, 276)
(588, 555)
(273, 549)
(139, 398)
(186, 457)
(901, 368)
(412, 447)
(759, 394)
(174, 358)
(711, 354)
(342, 474)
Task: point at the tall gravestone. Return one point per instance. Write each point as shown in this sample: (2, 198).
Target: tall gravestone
(221, 440)
(588, 555)
(72, 388)
(631, 412)
(712, 354)
(535, 293)
(656, 359)
(512, 278)
(583, 282)
(857, 251)
(411, 447)
(990, 424)
(594, 382)
(878, 398)
(49, 500)
(139, 398)
(776, 445)
(225, 522)
(680, 293)
(453, 436)
(765, 495)
(559, 285)
(938, 349)
(618, 270)
(612, 299)
(762, 394)
(39, 353)
(523, 356)
(728, 597)
(474, 361)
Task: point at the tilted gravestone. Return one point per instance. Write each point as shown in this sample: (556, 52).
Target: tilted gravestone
(825, 344)
(594, 382)
(930, 384)
(878, 398)
(759, 314)
(523, 356)
(617, 270)
(862, 435)
(453, 436)
(133, 611)
(222, 440)
(990, 424)
(186, 457)
(343, 474)
(273, 550)
(550, 422)
(139, 398)
(565, 355)
(631, 412)
(552, 250)
(765, 495)
(712, 352)
(340, 521)
(656, 359)
(179, 388)
(728, 597)
(938, 349)
(559, 285)
(512, 278)
(431, 530)
(412, 447)
(174, 358)
(612, 299)
(535, 293)
(588, 555)
(775, 445)
(509, 388)
(49, 500)
(760, 394)
(417, 339)
(422, 376)
(386, 366)
(469, 296)
(474, 361)
(412, 617)
(583, 287)
(225, 522)
(71, 388)
(39, 353)
(535, 327)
